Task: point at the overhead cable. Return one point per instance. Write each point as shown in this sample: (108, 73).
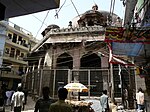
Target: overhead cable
(42, 23)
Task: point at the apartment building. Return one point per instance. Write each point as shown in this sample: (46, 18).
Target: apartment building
(15, 43)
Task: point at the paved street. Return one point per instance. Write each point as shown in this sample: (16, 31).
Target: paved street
(28, 108)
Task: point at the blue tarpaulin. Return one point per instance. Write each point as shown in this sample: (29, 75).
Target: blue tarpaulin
(128, 49)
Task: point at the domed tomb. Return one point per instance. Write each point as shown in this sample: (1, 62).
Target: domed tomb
(95, 17)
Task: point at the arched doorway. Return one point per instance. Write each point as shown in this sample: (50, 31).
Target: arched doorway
(64, 62)
(91, 62)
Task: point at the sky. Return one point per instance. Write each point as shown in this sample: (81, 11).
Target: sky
(37, 22)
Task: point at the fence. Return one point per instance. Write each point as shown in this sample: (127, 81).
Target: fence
(95, 79)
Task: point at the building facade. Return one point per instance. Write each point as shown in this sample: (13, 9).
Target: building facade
(77, 54)
(15, 44)
(140, 19)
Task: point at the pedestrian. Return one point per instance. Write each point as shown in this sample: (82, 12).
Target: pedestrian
(140, 100)
(25, 91)
(3, 91)
(104, 101)
(18, 99)
(3, 98)
(43, 103)
(61, 105)
(8, 94)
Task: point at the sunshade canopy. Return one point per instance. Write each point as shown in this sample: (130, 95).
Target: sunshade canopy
(13, 8)
(76, 87)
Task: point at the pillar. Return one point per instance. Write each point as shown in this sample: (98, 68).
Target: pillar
(76, 64)
(48, 58)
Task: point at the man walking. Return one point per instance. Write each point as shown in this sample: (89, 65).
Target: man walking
(104, 101)
(140, 99)
(43, 104)
(18, 100)
(60, 105)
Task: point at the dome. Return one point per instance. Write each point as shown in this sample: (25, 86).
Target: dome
(52, 26)
(95, 17)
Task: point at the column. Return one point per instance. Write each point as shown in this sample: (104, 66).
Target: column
(76, 64)
(48, 58)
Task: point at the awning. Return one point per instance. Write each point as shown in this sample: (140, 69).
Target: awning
(13, 8)
(128, 49)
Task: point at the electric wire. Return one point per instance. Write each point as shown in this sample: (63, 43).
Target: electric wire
(28, 11)
(79, 17)
(56, 15)
(42, 23)
(75, 8)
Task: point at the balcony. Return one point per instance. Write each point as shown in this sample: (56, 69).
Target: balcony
(17, 45)
(14, 59)
(12, 74)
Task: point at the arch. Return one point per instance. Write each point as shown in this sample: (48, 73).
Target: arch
(90, 61)
(64, 61)
(90, 23)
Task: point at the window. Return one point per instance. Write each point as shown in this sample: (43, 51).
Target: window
(10, 36)
(0, 53)
(20, 71)
(14, 38)
(7, 50)
(12, 52)
(20, 40)
(17, 53)
(22, 55)
(90, 23)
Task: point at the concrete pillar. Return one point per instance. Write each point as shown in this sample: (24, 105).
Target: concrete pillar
(112, 82)
(48, 58)
(76, 64)
(38, 77)
(32, 86)
(104, 62)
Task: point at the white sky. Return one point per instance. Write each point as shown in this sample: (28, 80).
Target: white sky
(33, 22)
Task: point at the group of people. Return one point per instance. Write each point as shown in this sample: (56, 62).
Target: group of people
(16, 99)
(46, 104)
(140, 101)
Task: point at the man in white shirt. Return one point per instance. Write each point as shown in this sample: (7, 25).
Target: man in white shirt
(140, 99)
(18, 100)
(104, 101)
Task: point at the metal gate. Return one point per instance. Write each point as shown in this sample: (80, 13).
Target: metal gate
(95, 79)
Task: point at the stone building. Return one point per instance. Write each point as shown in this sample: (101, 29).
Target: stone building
(76, 54)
